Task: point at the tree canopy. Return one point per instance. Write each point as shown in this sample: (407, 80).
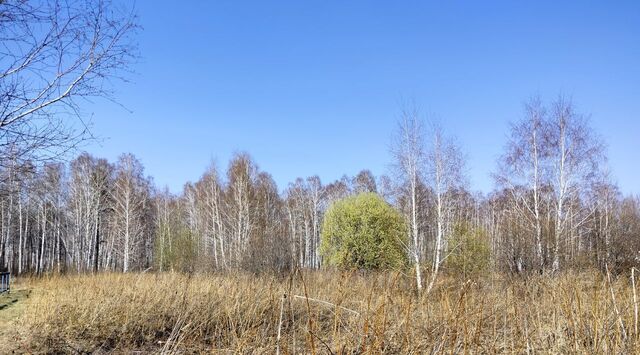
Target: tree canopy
(364, 232)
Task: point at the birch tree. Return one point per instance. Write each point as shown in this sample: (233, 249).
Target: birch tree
(523, 165)
(53, 54)
(409, 156)
(305, 201)
(364, 182)
(212, 204)
(240, 204)
(130, 195)
(549, 167)
(575, 158)
(165, 210)
(445, 176)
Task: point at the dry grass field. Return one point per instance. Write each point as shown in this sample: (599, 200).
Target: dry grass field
(324, 312)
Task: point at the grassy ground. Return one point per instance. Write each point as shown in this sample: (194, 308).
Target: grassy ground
(12, 306)
(324, 312)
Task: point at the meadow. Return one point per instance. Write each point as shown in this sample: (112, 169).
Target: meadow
(322, 312)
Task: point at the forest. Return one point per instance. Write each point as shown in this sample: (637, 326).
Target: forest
(554, 208)
(104, 260)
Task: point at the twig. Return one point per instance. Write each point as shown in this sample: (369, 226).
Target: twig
(323, 343)
(280, 323)
(310, 321)
(635, 301)
(615, 306)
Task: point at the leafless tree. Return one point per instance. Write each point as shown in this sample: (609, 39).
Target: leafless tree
(305, 201)
(131, 198)
(165, 207)
(364, 182)
(523, 165)
(409, 156)
(54, 54)
(550, 165)
(240, 204)
(445, 176)
(576, 155)
(211, 201)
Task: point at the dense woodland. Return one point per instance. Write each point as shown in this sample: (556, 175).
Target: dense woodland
(554, 207)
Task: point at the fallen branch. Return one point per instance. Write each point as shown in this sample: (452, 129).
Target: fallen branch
(326, 303)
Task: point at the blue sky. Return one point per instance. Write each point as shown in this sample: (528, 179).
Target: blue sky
(313, 87)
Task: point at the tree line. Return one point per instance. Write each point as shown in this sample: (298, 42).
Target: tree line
(554, 207)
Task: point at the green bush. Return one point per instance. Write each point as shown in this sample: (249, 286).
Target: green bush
(470, 251)
(363, 232)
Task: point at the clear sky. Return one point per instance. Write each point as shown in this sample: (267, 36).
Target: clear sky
(313, 87)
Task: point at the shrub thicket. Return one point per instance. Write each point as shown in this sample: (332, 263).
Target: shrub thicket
(470, 251)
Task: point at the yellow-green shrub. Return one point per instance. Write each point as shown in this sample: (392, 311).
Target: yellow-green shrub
(363, 232)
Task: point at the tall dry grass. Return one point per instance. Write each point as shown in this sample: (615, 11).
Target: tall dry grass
(326, 312)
